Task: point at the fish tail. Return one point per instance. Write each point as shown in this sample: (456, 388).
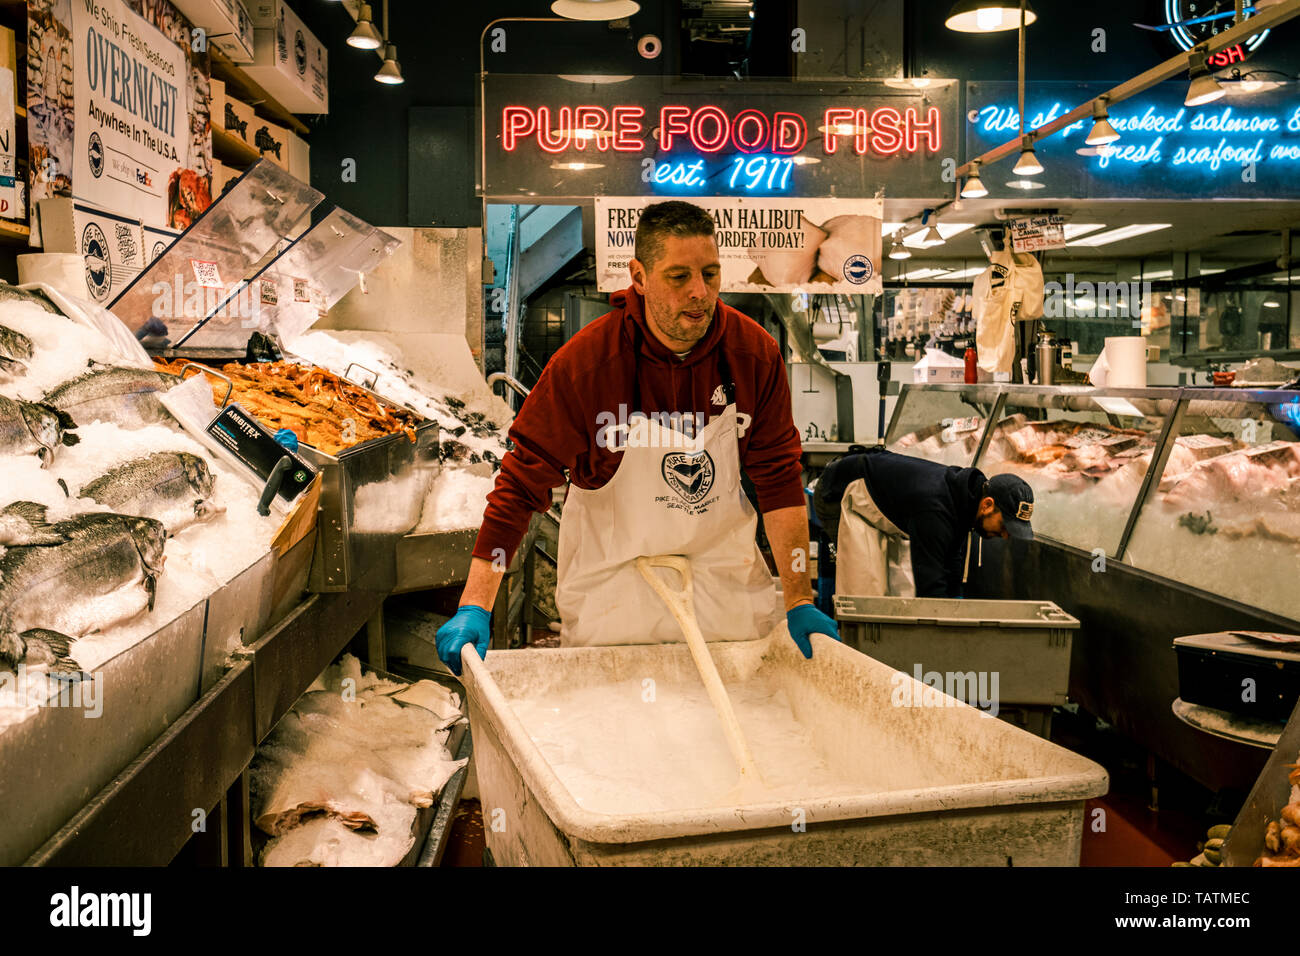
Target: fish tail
(65, 420)
(11, 366)
(12, 649)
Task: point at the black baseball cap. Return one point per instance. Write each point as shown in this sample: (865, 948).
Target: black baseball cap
(1015, 499)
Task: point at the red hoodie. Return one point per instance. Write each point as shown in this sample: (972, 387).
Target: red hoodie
(592, 374)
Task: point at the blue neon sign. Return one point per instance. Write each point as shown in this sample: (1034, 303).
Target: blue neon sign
(746, 175)
(1238, 147)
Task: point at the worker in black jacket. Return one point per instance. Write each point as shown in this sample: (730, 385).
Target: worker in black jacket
(869, 499)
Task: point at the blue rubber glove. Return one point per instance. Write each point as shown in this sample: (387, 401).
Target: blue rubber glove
(805, 620)
(470, 625)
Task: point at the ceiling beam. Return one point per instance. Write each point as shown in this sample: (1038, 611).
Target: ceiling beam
(1265, 19)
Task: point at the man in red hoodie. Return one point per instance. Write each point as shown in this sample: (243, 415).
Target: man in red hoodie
(652, 410)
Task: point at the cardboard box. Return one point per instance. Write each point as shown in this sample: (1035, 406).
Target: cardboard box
(156, 241)
(269, 140)
(8, 49)
(113, 246)
(229, 27)
(299, 157)
(222, 176)
(217, 102)
(239, 120)
(288, 61)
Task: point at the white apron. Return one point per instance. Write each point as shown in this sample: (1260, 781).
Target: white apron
(676, 496)
(873, 556)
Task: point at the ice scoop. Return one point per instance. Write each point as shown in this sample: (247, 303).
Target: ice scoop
(681, 603)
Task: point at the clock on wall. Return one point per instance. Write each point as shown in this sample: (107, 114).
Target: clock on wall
(1190, 22)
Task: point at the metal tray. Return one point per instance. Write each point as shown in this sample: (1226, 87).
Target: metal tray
(54, 762)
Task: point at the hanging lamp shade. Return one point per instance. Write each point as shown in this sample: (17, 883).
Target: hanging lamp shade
(987, 16)
(365, 36)
(595, 9)
(391, 71)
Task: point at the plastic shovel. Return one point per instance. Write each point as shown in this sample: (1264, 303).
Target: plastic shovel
(682, 604)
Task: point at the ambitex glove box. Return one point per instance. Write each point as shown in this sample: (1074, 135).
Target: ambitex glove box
(1256, 677)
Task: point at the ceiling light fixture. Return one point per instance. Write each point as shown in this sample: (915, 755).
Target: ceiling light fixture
(974, 188)
(1123, 232)
(1204, 88)
(843, 129)
(987, 16)
(1102, 132)
(391, 71)
(595, 77)
(1028, 164)
(1026, 184)
(922, 239)
(899, 251)
(365, 36)
(595, 9)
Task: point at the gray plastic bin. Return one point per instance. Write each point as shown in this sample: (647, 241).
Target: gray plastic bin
(1025, 643)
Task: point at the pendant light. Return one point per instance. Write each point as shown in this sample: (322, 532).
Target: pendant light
(974, 188)
(365, 36)
(595, 9)
(1102, 132)
(987, 16)
(1204, 88)
(1028, 164)
(391, 71)
(899, 251)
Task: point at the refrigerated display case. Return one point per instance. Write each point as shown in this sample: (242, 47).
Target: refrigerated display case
(1159, 512)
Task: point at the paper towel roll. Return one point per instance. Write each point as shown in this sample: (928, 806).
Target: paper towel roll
(66, 271)
(1126, 360)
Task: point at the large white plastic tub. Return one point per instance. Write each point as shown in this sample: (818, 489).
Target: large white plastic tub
(962, 788)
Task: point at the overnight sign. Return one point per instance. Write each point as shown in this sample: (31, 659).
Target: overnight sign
(645, 136)
(1238, 147)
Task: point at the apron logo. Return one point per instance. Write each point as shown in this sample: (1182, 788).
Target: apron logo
(689, 474)
(719, 397)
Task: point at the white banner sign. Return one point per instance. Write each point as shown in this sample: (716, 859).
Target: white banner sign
(131, 87)
(1038, 233)
(765, 244)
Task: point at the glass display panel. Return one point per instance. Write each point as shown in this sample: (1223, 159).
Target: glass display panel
(1085, 456)
(941, 424)
(1225, 516)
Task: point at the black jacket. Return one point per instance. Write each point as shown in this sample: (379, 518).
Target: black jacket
(933, 504)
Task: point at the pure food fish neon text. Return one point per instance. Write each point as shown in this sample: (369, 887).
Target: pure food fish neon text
(884, 131)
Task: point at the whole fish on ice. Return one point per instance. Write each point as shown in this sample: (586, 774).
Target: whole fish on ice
(175, 487)
(23, 523)
(35, 297)
(106, 572)
(126, 396)
(29, 427)
(15, 351)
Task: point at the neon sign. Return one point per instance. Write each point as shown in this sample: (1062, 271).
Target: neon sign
(1250, 150)
(885, 131)
(744, 174)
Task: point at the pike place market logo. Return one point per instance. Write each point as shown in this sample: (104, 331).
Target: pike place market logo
(689, 474)
(858, 269)
(94, 247)
(95, 152)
